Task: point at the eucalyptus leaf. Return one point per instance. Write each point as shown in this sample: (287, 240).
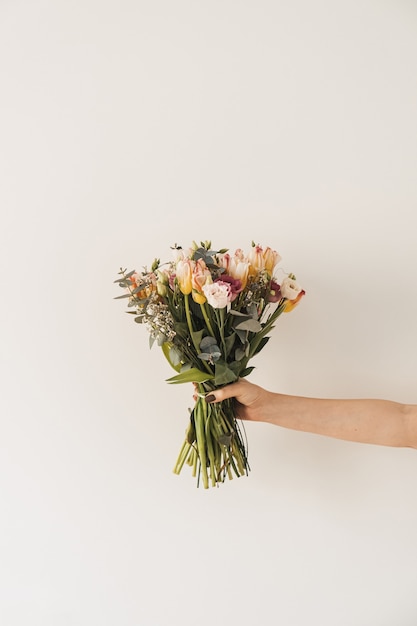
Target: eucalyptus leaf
(125, 295)
(140, 288)
(223, 374)
(207, 341)
(129, 274)
(249, 324)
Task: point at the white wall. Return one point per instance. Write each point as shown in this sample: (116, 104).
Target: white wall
(126, 127)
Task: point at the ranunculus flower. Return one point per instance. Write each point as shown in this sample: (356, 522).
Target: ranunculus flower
(290, 288)
(235, 285)
(274, 292)
(184, 271)
(218, 294)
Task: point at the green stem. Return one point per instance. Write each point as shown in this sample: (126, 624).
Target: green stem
(220, 323)
(201, 440)
(191, 330)
(207, 320)
(189, 322)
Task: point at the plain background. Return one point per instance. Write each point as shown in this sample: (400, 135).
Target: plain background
(127, 127)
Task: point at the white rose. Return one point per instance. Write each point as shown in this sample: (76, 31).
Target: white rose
(290, 288)
(218, 294)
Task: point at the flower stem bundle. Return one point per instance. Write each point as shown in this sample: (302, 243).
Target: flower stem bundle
(211, 312)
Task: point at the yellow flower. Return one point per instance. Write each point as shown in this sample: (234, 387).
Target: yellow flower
(239, 270)
(184, 270)
(256, 260)
(271, 259)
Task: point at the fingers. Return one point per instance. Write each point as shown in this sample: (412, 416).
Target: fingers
(230, 391)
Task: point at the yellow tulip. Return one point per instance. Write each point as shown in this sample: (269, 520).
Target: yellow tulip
(239, 270)
(184, 270)
(271, 259)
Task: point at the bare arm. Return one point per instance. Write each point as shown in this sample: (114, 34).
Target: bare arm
(381, 422)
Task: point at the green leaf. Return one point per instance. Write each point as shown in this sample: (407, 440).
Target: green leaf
(249, 324)
(237, 313)
(223, 374)
(243, 335)
(230, 342)
(171, 356)
(129, 274)
(140, 288)
(206, 342)
(192, 375)
(261, 345)
(126, 295)
(246, 371)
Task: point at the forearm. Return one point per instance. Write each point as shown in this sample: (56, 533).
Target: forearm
(367, 421)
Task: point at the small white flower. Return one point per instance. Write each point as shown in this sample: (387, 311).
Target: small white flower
(290, 288)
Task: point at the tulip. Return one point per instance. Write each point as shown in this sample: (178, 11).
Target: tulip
(239, 270)
(224, 261)
(200, 276)
(184, 271)
(256, 260)
(291, 304)
(271, 259)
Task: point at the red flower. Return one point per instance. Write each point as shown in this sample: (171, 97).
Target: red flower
(274, 292)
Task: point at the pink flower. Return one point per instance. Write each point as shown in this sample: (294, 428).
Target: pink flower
(218, 294)
(234, 283)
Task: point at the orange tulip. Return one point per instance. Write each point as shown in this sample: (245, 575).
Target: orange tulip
(291, 304)
(200, 276)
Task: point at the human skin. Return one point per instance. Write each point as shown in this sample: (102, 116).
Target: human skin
(373, 421)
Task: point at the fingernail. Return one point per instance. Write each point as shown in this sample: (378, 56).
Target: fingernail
(210, 398)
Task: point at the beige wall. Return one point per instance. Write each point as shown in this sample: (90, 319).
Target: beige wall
(127, 127)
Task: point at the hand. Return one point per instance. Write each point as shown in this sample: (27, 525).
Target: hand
(251, 401)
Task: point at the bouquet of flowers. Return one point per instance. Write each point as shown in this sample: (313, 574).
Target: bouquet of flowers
(211, 312)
